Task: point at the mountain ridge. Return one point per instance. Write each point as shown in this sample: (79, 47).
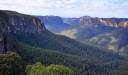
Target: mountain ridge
(28, 37)
(86, 27)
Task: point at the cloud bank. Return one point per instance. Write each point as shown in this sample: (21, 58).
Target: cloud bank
(68, 8)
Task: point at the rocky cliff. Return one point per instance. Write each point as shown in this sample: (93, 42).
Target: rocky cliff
(113, 22)
(13, 22)
(110, 33)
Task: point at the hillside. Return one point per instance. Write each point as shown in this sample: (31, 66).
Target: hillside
(99, 31)
(26, 35)
(115, 40)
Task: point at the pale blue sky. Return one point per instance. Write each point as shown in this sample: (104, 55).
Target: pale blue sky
(69, 8)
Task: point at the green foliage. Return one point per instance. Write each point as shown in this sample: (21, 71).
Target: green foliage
(49, 48)
(10, 64)
(48, 40)
(59, 70)
(36, 69)
(32, 55)
(39, 69)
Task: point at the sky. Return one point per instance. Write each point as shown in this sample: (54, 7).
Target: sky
(69, 8)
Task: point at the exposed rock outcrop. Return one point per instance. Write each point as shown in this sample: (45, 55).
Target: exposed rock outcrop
(113, 22)
(13, 22)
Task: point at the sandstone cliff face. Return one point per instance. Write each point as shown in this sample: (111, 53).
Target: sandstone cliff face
(23, 23)
(87, 20)
(113, 22)
(13, 22)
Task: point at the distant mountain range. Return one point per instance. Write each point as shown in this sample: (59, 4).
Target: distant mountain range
(110, 33)
(54, 23)
(28, 36)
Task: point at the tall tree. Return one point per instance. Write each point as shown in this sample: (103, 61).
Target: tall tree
(10, 64)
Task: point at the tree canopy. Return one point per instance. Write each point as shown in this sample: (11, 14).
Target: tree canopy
(10, 64)
(39, 69)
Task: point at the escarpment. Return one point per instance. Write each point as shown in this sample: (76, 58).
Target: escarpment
(12, 22)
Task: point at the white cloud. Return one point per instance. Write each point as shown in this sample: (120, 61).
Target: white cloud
(99, 8)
